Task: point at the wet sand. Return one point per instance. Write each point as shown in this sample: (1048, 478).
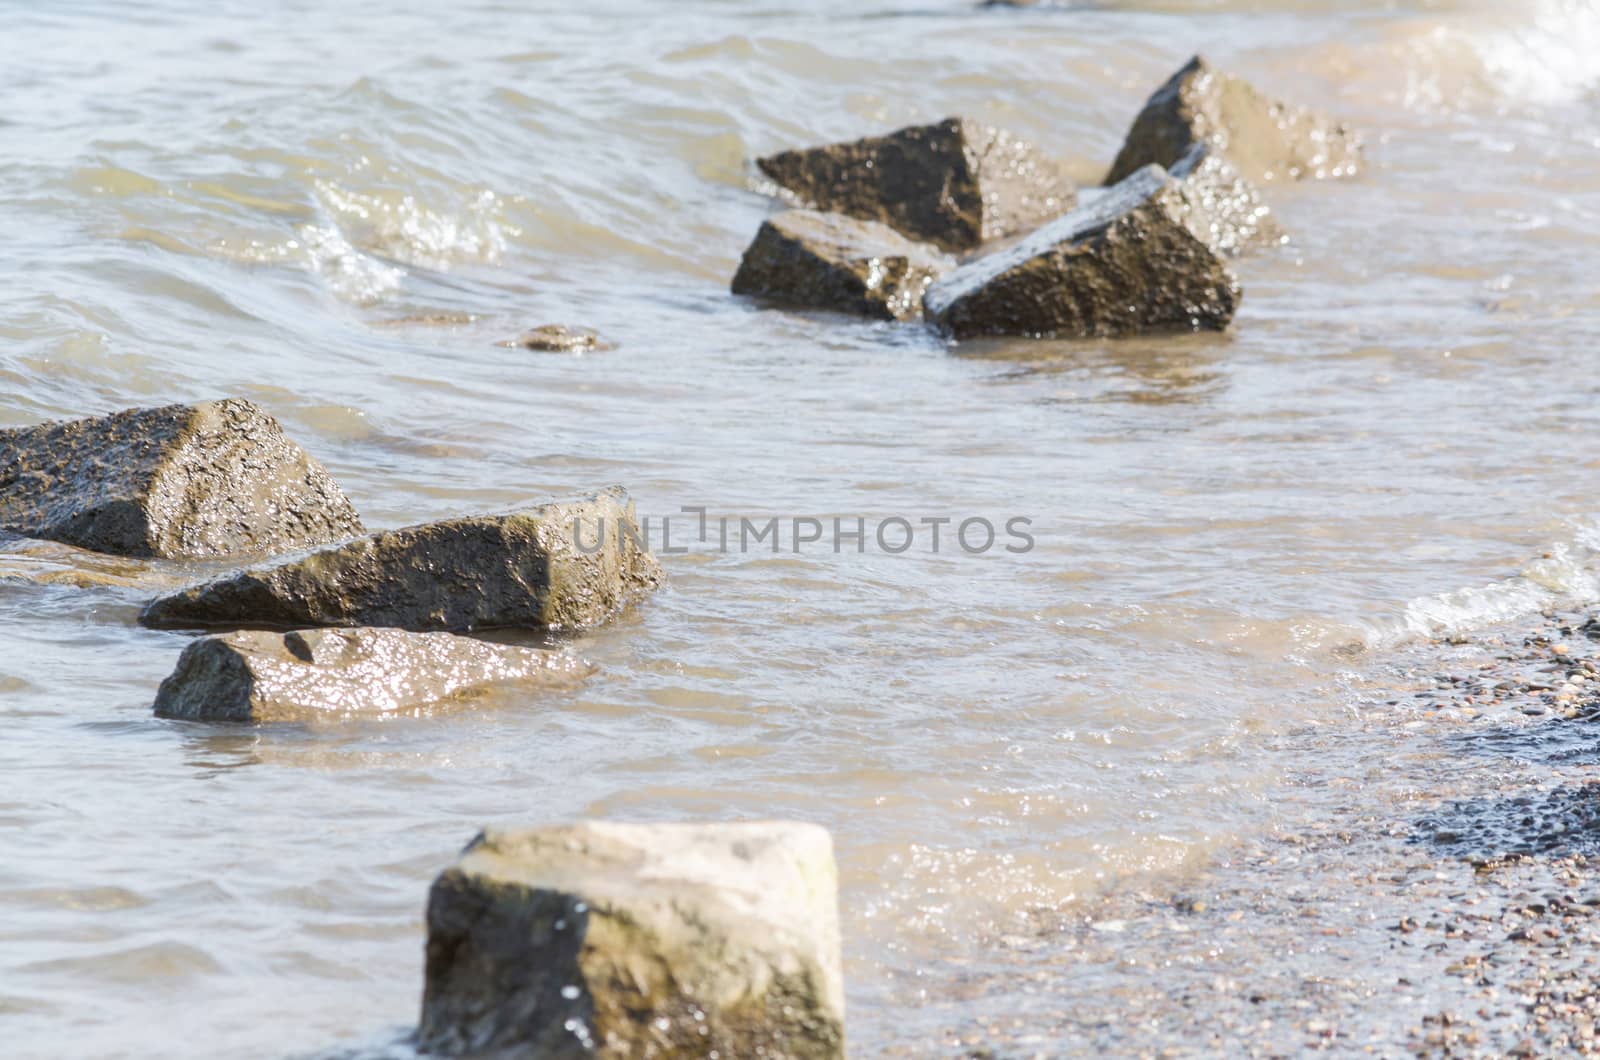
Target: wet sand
(1441, 900)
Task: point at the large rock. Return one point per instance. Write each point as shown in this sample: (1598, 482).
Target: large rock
(954, 184)
(1265, 139)
(1239, 220)
(254, 675)
(185, 481)
(1137, 259)
(830, 261)
(528, 568)
(622, 941)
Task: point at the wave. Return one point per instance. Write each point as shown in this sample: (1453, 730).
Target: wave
(1568, 575)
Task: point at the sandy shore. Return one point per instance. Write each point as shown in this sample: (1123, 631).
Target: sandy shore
(1427, 886)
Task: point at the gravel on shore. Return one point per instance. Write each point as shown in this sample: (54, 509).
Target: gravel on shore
(1429, 886)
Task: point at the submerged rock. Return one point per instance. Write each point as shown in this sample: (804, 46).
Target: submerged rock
(1239, 220)
(954, 184)
(254, 675)
(558, 338)
(181, 481)
(1263, 138)
(829, 261)
(1137, 259)
(626, 940)
(529, 568)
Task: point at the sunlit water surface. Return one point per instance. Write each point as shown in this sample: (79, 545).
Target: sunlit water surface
(338, 210)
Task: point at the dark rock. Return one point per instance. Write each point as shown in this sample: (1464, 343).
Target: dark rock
(1263, 138)
(1239, 220)
(522, 569)
(623, 940)
(182, 481)
(254, 675)
(954, 184)
(829, 261)
(558, 338)
(1138, 259)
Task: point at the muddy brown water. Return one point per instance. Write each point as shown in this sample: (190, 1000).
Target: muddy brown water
(339, 213)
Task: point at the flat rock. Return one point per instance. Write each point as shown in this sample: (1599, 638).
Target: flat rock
(314, 674)
(527, 568)
(1239, 219)
(955, 184)
(181, 481)
(627, 940)
(1137, 259)
(558, 338)
(1264, 139)
(829, 261)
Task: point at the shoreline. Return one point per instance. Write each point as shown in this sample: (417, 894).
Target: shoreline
(1427, 890)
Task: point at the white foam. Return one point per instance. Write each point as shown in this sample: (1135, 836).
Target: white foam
(1567, 576)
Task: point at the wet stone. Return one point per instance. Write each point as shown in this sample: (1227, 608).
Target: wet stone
(558, 338)
(1238, 219)
(322, 674)
(1565, 821)
(181, 481)
(564, 565)
(1140, 258)
(955, 184)
(622, 940)
(1263, 138)
(829, 261)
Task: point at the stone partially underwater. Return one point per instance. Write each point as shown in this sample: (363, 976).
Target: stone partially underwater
(320, 674)
(1263, 138)
(829, 261)
(558, 338)
(182, 481)
(1141, 258)
(528, 568)
(1237, 219)
(625, 940)
(955, 184)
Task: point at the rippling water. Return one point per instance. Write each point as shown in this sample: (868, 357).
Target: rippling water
(337, 210)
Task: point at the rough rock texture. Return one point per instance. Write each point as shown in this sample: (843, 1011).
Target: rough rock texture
(182, 481)
(1239, 220)
(254, 675)
(1263, 138)
(527, 568)
(624, 941)
(954, 184)
(558, 338)
(1137, 259)
(829, 261)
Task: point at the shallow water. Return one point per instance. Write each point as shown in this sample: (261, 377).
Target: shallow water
(339, 213)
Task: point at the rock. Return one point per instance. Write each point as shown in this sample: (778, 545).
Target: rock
(480, 572)
(954, 184)
(1239, 220)
(627, 940)
(1138, 259)
(558, 338)
(254, 675)
(1263, 138)
(182, 481)
(829, 261)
